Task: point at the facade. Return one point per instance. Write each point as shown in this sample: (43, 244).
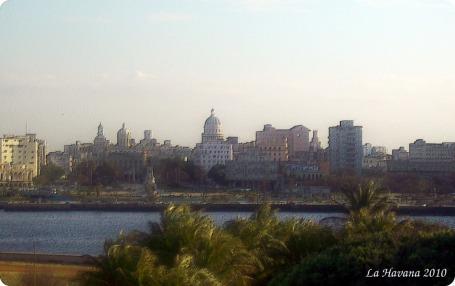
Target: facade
(400, 154)
(345, 147)
(248, 151)
(315, 143)
(379, 150)
(100, 144)
(79, 152)
(283, 144)
(62, 160)
(370, 150)
(422, 151)
(253, 174)
(124, 139)
(21, 158)
(367, 149)
(421, 167)
(132, 165)
(376, 162)
(213, 150)
(301, 172)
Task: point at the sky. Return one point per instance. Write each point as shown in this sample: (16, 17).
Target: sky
(389, 65)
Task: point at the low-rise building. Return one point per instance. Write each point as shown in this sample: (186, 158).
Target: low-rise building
(400, 154)
(423, 151)
(259, 175)
(61, 160)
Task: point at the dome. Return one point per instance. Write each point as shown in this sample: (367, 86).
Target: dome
(212, 124)
(212, 128)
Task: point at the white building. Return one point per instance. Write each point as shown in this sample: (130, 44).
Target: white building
(124, 139)
(213, 150)
(423, 151)
(20, 158)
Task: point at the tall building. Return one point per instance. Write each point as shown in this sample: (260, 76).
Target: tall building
(345, 147)
(124, 140)
(315, 143)
(100, 144)
(213, 150)
(21, 158)
(283, 144)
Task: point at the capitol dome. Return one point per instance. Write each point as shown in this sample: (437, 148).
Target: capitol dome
(212, 128)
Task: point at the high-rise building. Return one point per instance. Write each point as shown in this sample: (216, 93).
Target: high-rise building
(124, 140)
(21, 158)
(345, 147)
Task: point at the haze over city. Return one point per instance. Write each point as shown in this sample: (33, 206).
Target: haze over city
(162, 65)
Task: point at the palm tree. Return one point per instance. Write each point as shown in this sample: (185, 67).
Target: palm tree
(182, 232)
(368, 196)
(116, 267)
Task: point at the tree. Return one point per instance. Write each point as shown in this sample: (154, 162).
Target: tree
(218, 174)
(368, 195)
(49, 174)
(83, 173)
(105, 174)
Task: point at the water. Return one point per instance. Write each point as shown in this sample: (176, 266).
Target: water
(85, 232)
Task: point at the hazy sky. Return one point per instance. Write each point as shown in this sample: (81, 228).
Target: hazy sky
(162, 65)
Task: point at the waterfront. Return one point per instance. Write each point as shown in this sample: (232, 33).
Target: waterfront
(84, 232)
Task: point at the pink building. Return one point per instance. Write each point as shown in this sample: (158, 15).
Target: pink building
(283, 144)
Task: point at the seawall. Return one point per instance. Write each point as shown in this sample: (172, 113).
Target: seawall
(143, 207)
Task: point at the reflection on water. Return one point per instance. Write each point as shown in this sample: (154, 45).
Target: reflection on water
(85, 232)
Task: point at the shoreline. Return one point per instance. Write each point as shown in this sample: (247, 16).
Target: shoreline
(143, 207)
(45, 258)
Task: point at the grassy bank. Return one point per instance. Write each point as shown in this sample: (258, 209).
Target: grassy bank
(40, 274)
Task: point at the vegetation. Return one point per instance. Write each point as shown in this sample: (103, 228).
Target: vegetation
(176, 172)
(49, 174)
(188, 248)
(89, 174)
(218, 174)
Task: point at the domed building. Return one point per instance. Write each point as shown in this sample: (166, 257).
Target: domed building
(212, 129)
(213, 150)
(124, 140)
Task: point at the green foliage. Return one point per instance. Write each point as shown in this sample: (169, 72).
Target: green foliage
(49, 174)
(368, 195)
(175, 172)
(218, 174)
(187, 248)
(90, 174)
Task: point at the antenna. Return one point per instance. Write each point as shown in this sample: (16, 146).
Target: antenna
(26, 127)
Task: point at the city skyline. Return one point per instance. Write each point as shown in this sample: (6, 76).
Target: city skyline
(162, 65)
